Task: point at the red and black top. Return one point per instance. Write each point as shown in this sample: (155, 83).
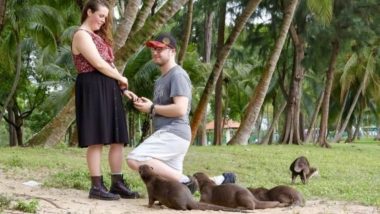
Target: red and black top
(105, 51)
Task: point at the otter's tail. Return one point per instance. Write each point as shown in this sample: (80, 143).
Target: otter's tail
(267, 204)
(206, 206)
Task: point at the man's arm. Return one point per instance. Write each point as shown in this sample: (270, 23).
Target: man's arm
(176, 109)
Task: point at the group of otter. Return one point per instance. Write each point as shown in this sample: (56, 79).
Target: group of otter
(225, 197)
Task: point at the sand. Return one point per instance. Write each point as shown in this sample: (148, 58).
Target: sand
(53, 200)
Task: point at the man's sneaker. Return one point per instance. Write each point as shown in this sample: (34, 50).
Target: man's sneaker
(192, 184)
(229, 177)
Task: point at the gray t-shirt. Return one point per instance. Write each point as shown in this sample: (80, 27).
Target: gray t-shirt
(174, 83)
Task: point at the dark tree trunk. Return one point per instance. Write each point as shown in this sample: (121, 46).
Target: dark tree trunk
(73, 135)
(291, 133)
(218, 121)
(302, 127)
(310, 130)
(11, 128)
(208, 36)
(350, 135)
(3, 4)
(326, 96)
(187, 32)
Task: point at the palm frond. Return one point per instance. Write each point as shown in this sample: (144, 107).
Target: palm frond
(322, 9)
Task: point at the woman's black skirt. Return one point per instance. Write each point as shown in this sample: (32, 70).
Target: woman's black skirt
(100, 116)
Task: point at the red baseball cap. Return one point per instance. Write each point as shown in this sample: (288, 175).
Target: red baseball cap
(162, 41)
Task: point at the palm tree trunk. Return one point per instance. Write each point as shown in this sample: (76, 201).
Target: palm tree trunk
(350, 135)
(257, 98)
(357, 134)
(55, 130)
(3, 4)
(326, 96)
(310, 130)
(151, 26)
(73, 135)
(218, 114)
(15, 82)
(276, 118)
(142, 16)
(126, 23)
(353, 105)
(338, 123)
(222, 56)
(187, 32)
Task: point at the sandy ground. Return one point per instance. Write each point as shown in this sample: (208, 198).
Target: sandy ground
(76, 201)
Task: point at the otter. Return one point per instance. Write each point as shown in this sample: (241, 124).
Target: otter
(229, 195)
(283, 194)
(172, 194)
(301, 167)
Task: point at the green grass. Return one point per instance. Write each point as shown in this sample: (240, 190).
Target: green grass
(349, 172)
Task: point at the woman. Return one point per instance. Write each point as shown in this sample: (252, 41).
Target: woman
(99, 111)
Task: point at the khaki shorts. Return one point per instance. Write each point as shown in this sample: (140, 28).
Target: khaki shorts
(164, 146)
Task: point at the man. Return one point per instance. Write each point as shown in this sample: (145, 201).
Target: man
(166, 148)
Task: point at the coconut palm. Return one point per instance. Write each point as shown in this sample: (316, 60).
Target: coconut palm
(359, 69)
(222, 56)
(257, 98)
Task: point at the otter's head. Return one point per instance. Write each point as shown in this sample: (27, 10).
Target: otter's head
(146, 172)
(203, 180)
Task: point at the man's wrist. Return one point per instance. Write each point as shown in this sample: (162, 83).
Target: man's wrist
(152, 110)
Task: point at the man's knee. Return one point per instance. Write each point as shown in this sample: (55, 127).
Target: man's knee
(133, 164)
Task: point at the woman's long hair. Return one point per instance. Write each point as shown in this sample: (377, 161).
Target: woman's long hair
(105, 30)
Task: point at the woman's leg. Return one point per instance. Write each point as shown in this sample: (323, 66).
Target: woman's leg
(98, 190)
(115, 158)
(118, 186)
(94, 156)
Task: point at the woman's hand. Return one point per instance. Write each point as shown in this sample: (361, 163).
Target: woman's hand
(123, 82)
(131, 96)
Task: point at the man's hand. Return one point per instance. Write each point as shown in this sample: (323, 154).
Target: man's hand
(143, 104)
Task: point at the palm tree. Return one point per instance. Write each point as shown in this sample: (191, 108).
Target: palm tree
(221, 58)
(25, 24)
(257, 98)
(365, 69)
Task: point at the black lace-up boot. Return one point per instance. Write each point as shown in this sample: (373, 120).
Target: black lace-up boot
(99, 191)
(119, 187)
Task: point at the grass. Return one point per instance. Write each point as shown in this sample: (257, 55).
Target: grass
(349, 172)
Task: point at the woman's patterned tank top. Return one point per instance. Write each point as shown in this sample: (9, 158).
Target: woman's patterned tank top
(105, 51)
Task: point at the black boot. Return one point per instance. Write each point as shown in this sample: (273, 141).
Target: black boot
(119, 187)
(99, 191)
